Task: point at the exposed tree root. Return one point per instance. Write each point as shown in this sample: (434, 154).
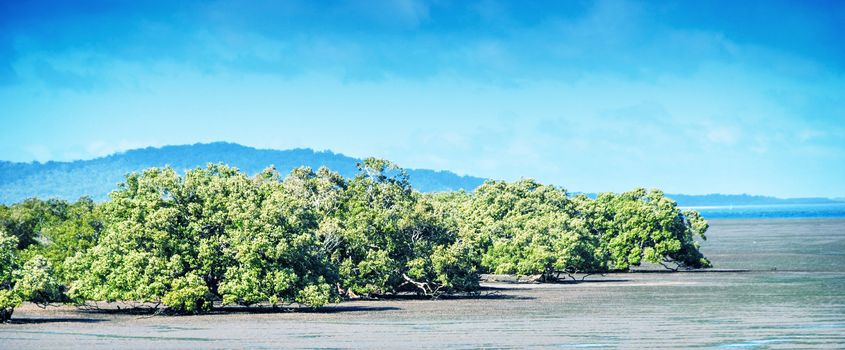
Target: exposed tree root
(423, 287)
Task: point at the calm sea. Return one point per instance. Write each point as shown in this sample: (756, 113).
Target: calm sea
(833, 210)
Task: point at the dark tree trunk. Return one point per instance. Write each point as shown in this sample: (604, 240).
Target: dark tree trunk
(6, 315)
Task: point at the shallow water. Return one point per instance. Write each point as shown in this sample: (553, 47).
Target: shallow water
(793, 297)
(777, 211)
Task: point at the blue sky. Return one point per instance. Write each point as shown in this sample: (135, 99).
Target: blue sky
(691, 97)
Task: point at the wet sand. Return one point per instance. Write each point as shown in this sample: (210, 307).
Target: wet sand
(793, 297)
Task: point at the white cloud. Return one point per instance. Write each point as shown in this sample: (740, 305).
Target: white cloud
(39, 153)
(807, 135)
(723, 136)
(100, 148)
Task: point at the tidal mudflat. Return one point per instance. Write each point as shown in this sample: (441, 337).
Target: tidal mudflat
(791, 296)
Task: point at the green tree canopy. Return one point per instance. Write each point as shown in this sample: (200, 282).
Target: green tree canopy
(645, 226)
(529, 228)
(216, 235)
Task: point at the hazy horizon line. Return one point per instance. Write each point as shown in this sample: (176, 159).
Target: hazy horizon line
(330, 151)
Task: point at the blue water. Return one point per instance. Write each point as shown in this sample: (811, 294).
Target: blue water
(833, 210)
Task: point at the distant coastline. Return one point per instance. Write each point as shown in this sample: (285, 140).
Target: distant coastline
(744, 199)
(831, 209)
(726, 200)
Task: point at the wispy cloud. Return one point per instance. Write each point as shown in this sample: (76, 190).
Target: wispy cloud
(598, 95)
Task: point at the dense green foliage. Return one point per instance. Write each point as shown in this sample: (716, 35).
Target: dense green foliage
(414, 250)
(214, 234)
(34, 281)
(528, 228)
(640, 226)
(218, 236)
(9, 299)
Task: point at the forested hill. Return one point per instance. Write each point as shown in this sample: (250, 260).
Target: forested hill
(97, 177)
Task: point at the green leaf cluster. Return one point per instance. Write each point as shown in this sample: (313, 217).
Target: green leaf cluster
(31, 281)
(644, 226)
(215, 235)
(524, 228)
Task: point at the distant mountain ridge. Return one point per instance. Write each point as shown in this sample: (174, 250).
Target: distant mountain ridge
(97, 177)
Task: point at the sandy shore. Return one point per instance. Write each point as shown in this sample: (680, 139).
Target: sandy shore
(790, 307)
